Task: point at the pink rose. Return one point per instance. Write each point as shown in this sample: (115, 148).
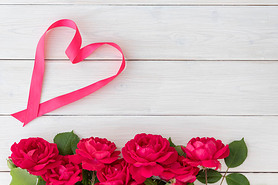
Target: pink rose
(66, 173)
(179, 172)
(35, 155)
(205, 152)
(116, 173)
(94, 153)
(146, 154)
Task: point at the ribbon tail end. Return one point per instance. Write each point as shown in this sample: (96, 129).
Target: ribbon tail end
(20, 117)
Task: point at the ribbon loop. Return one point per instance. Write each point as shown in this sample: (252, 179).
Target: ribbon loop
(76, 54)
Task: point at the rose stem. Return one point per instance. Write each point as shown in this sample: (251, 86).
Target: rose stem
(206, 175)
(224, 176)
(93, 178)
(85, 177)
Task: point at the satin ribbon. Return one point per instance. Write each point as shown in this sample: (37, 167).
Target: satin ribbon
(76, 54)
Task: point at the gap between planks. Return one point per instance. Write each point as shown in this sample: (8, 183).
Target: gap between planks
(129, 4)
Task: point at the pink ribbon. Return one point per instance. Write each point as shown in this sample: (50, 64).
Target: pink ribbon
(75, 54)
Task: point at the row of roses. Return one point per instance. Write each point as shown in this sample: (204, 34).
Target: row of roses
(146, 159)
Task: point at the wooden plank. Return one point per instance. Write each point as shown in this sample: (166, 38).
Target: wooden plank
(260, 132)
(146, 32)
(150, 88)
(5, 177)
(254, 178)
(146, 2)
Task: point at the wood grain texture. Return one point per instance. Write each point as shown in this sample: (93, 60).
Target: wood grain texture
(196, 68)
(259, 132)
(254, 178)
(5, 178)
(146, 2)
(146, 32)
(150, 87)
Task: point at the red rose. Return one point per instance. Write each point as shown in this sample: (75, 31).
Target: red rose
(34, 154)
(146, 154)
(94, 153)
(66, 173)
(116, 173)
(179, 172)
(205, 152)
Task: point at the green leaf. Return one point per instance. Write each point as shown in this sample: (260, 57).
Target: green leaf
(22, 177)
(190, 184)
(238, 153)
(171, 142)
(41, 181)
(74, 144)
(161, 182)
(237, 179)
(149, 181)
(179, 150)
(213, 176)
(66, 142)
(10, 164)
(177, 147)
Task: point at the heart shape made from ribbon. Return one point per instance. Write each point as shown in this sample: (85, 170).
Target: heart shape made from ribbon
(76, 54)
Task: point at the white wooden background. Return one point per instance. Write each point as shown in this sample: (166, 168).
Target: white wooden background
(195, 68)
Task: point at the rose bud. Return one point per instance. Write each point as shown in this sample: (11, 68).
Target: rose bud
(146, 154)
(205, 152)
(36, 155)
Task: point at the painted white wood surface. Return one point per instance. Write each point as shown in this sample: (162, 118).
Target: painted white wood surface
(147, 32)
(146, 2)
(256, 179)
(259, 132)
(150, 87)
(195, 68)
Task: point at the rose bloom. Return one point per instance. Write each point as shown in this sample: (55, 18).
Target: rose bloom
(179, 172)
(94, 153)
(66, 173)
(146, 154)
(36, 155)
(205, 152)
(116, 173)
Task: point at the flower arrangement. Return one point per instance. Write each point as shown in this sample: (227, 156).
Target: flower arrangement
(146, 159)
